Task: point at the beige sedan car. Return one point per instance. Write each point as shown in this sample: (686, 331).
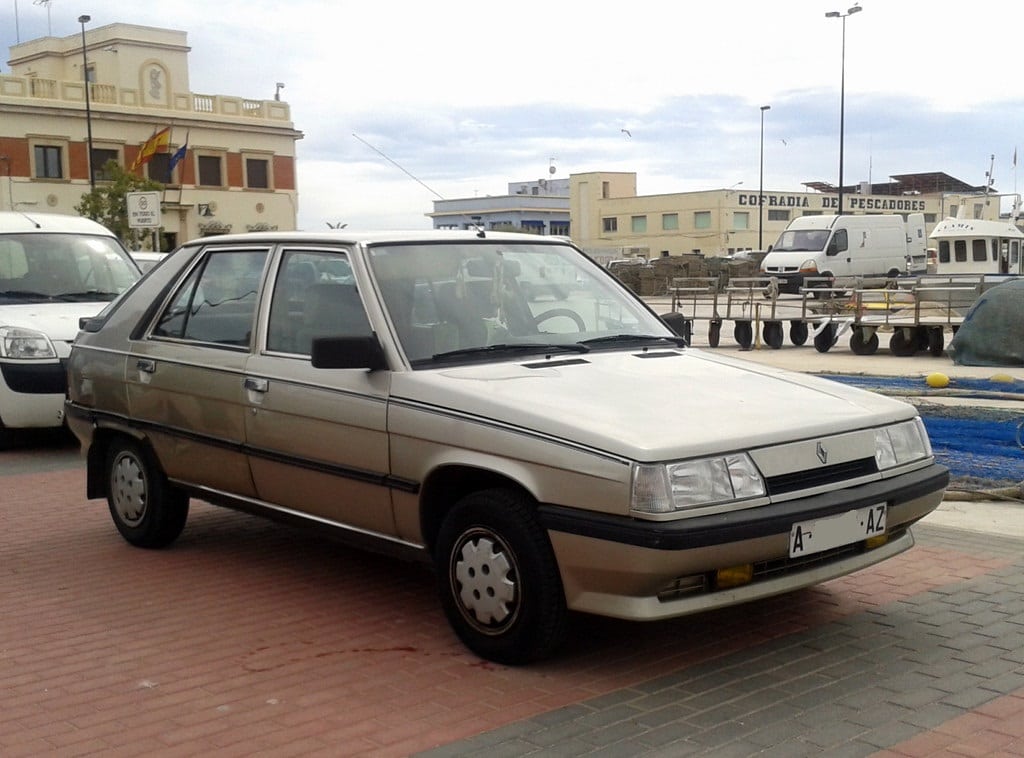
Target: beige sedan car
(545, 455)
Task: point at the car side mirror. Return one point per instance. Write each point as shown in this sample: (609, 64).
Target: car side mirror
(348, 352)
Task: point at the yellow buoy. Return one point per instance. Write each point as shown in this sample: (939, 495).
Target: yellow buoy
(937, 380)
(1002, 378)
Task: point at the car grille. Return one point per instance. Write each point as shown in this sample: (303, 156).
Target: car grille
(835, 474)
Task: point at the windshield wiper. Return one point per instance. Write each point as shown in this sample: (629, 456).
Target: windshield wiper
(86, 295)
(26, 295)
(515, 347)
(631, 338)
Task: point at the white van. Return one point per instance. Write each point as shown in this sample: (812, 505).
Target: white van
(54, 270)
(869, 250)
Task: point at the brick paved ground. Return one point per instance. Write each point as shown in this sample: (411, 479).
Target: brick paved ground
(246, 638)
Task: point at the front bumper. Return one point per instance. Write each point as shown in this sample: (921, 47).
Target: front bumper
(32, 394)
(633, 569)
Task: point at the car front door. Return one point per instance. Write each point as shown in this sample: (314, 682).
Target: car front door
(318, 437)
(185, 377)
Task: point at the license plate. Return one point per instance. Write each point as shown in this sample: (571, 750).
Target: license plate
(807, 537)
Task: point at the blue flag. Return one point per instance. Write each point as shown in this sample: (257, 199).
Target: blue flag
(176, 158)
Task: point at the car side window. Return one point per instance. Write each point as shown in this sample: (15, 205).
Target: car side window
(217, 302)
(314, 296)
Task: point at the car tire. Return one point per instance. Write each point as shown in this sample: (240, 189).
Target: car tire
(498, 579)
(936, 341)
(147, 511)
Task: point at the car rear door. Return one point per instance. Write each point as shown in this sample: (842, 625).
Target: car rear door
(317, 437)
(186, 376)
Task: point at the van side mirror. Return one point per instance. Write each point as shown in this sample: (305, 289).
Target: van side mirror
(348, 352)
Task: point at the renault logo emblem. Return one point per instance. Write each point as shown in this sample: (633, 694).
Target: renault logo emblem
(822, 453)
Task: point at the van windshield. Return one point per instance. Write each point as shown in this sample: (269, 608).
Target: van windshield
(37, 267)
(802, 239)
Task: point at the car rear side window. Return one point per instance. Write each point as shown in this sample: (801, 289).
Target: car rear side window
(216, 304)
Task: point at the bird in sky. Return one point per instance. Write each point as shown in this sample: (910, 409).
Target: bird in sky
(626, 132)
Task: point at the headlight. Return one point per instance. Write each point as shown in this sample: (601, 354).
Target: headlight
(901, 443)
(666, 488)
(809, 267)
(24, 344)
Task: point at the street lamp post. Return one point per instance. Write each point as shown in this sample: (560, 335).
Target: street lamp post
(842, 95)
(760, 188)
(83, 20)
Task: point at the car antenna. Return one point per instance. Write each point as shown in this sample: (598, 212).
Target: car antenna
(404, 170)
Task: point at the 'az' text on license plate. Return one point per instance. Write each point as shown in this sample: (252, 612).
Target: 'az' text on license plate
(807, 537)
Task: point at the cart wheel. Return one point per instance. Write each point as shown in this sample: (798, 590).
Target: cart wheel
(714, 332)
(935, 341)
(743, 332)
(826, 338)
(772, 334)
(903, 343)
(798, 332)
(862, 344)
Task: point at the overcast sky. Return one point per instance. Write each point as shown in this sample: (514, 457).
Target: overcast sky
(468, 96)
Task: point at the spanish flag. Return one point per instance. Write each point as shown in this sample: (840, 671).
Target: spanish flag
(158, 142)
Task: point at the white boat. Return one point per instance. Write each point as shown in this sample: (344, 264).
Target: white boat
(977, 246)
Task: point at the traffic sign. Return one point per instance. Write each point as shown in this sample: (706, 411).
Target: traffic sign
(143, 210)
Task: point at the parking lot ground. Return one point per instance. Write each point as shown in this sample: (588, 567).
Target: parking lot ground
(247, 638)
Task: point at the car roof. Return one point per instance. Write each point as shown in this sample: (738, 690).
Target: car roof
(346, 236)
(48, 223)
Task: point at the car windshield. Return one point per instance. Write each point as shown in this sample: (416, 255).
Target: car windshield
(487, 300)
(802, 240)
(37, 268)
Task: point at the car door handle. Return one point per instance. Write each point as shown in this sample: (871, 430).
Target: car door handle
(256, 385)
(146, 365)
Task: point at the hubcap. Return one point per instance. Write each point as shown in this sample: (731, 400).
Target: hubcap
(128, 490)
(486, 581)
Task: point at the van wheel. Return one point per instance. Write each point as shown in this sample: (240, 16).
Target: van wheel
(147, 511)
(798, 332)
(498, 578)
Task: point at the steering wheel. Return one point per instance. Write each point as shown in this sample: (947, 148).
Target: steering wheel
(563, 313)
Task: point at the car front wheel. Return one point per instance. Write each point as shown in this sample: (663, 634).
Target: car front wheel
(147, 511)
(498, 579)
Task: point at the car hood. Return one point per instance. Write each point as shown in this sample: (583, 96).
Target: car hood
(650, 406)
(59, 321)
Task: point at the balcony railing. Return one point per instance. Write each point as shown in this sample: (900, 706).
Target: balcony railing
(13, 88)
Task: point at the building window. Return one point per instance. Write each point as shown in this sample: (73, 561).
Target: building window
(610, 224)
(638, 224)
(702, 220)
(560, 228)
(979, 211)
(605, 189)
(670, 222)
(100, 156)
(740, 220)
(257, 173)
(210, 174)
(929, 218)
(777, 215)
(49, 163)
